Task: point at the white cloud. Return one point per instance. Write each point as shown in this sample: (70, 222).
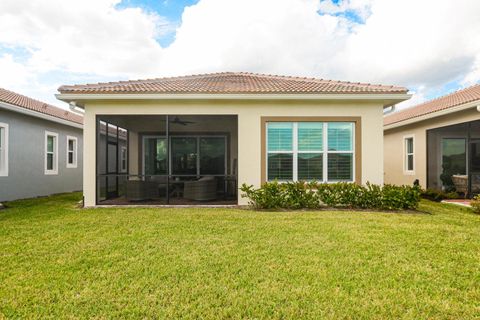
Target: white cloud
(420, 44)
(408, 42)
(83, 36)
(285, 36)
(12, 74)
(418, 96)
(415, 42)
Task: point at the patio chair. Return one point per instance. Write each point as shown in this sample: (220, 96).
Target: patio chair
(139, 190)
(204, 189)
(461, 183)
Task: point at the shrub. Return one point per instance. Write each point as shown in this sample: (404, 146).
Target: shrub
(475, 203)
(438, 195)
(313, 195)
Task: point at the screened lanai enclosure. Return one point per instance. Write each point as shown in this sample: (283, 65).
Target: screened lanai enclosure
(453, 158)
(166, 159)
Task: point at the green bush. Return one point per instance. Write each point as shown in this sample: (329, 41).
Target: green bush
(475, 203)
(313, 195)
(438, 195)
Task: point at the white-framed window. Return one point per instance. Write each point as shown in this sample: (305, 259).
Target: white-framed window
(72, 146)
(123, 159)
(305, 151)
(51, 152)
(3, 149)
(409, 154)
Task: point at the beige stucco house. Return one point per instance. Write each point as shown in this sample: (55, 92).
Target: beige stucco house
(436, 142)
(195, 139)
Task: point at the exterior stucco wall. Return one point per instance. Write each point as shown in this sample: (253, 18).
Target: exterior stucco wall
(249, 115)
(26, 154)
(394, 146)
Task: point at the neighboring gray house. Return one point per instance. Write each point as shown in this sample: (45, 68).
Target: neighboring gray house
(40, 148)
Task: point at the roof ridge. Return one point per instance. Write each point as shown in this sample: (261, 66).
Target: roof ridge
(33, 99)
(233, 82)
(453, 99)
(44, 105)
(312, 79)
(433, 100)
(238, 73)
(148, 80)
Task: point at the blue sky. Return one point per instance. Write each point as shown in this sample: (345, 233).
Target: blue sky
(402, 42)
(171, 9)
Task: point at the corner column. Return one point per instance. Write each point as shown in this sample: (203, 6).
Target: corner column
(89, 156)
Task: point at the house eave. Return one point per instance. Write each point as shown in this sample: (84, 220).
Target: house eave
(36, 114)
(387, 99)
(462, 107)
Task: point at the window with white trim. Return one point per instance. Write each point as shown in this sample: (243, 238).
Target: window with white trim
(123, 159)
(3, 149)
(321, 151)
(409, 154)
(72, 152)
(51, 153)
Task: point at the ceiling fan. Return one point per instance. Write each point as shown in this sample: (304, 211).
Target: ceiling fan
(177, 120)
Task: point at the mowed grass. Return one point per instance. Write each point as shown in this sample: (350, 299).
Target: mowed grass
(57, 261)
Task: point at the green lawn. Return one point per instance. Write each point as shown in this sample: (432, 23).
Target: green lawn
(57, 261)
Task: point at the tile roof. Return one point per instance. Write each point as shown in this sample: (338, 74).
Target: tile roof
(430, 107)
(38, 106)
(233, 83)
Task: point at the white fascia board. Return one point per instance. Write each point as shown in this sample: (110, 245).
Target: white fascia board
(391, 98)
(11, 107)
(432, 115)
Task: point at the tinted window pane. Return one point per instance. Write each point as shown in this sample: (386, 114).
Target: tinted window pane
(280, 136)
(124, 159)
(310, 136)
(454, 160)
(112, 158)
(212, 155)
(49, 161)
(70, 145)
(112, 133)
(310, 166)
(184, 156)
(155, 156)
(340, 167)
(340, 136)
(410, 162)
(410, 145)
(70, 157)
(280, 166)
(50, 142)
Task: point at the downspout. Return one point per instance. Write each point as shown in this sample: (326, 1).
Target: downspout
(75, 109)
(390, 110)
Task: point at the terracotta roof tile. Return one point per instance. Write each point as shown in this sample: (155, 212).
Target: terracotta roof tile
(35, 105)
(449, 101)
(231, 83)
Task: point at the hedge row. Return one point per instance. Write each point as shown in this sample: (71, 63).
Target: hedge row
(313, 195)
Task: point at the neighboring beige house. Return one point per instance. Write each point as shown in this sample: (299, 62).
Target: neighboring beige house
(196, 139)
(436, 142)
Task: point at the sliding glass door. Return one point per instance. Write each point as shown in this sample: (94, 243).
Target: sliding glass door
(155, 155)
(184, 156)
(474, 166)
(189, 155)
(454, 163)
(212, 155)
